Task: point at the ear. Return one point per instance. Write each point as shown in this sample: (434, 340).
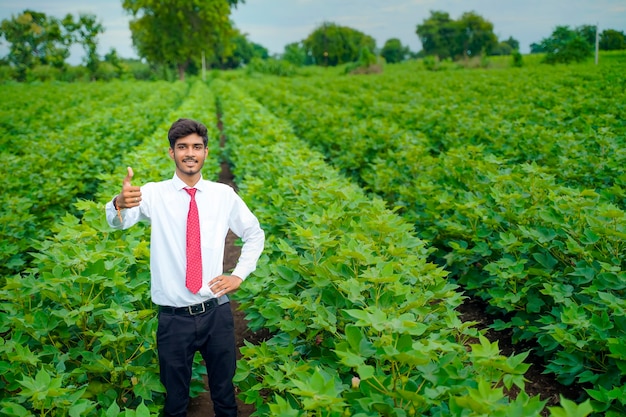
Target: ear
(171, 152)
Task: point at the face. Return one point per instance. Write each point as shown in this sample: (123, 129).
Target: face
(189, 154)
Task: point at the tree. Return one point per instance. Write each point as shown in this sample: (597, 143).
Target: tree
(503, 48)
(612, 40)
(85, 32)
(295, 53)
(447, 38)
(438, 35)
(243, 52)
(331, 44)
(588, 33)
(506, 47)
(513, 43)
(35, 39)
(475, 35)
(175, 32)
(537, 48)
(393, 51)
(565, 45)
(113, 59)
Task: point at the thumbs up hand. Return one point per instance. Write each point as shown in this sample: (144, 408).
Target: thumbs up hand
(130, 195)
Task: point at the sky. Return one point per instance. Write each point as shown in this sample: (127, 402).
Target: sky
(276, 23)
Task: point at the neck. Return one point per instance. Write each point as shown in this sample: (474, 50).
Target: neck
(189, 180)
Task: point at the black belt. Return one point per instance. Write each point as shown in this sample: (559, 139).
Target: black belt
(196, 308)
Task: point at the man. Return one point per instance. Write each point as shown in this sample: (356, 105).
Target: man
(189, 219)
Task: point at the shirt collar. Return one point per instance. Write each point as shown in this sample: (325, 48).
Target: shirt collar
(180, 184)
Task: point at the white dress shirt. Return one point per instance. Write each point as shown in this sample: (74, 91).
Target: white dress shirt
(165, 205)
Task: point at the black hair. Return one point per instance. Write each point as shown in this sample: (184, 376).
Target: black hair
(184, 127)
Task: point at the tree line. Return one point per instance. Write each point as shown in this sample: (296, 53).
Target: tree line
(39, 40)
(179, 37)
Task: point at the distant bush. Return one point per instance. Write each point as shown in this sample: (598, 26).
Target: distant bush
(576, 50)
(565, 45)
(43, 73)
(75, 74)
(7, 73)
(139, 71)
(368, 63)
(433, 63)
(107, 72)
(271, 66)
(393, 51)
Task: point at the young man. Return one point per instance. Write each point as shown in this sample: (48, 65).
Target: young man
(189, 219)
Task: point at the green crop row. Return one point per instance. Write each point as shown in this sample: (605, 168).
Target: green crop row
(554, 119)
(46, 169)
(77, 328)
(30, 112)
(361, 324)
(511, 232)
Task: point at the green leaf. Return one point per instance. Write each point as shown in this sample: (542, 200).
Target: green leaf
(571, 409)
(13, 409)
(545, 259)
(113, 410)
(142, 410)
(281, 408)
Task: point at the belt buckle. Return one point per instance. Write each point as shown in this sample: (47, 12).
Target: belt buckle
(193, 312)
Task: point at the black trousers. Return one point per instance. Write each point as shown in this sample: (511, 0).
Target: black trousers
(179, 337)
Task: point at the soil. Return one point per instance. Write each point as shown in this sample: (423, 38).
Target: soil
(538, 383)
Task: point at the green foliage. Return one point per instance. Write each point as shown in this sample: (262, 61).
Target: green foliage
(565, 46)
(7, 73)
(393, 51)
(588, 33)
(432, 63)
(35, 39)
(612, 40)
(295, 54)
(366, 64)
(522, 199)
(361, 323)
(518, 60)
(490, 180)
(507, 47)
(271, 66)
(176, 31)
(85, 32)
(475, 35)
(100, 129)
(43, 73)
(243, 53)
(78, 325)
(332, 45)
(444, 37)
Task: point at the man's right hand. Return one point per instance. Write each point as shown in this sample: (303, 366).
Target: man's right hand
(130, 195)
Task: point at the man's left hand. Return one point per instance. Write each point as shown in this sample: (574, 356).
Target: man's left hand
(224, 284)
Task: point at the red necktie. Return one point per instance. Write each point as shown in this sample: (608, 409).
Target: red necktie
(194, 253)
